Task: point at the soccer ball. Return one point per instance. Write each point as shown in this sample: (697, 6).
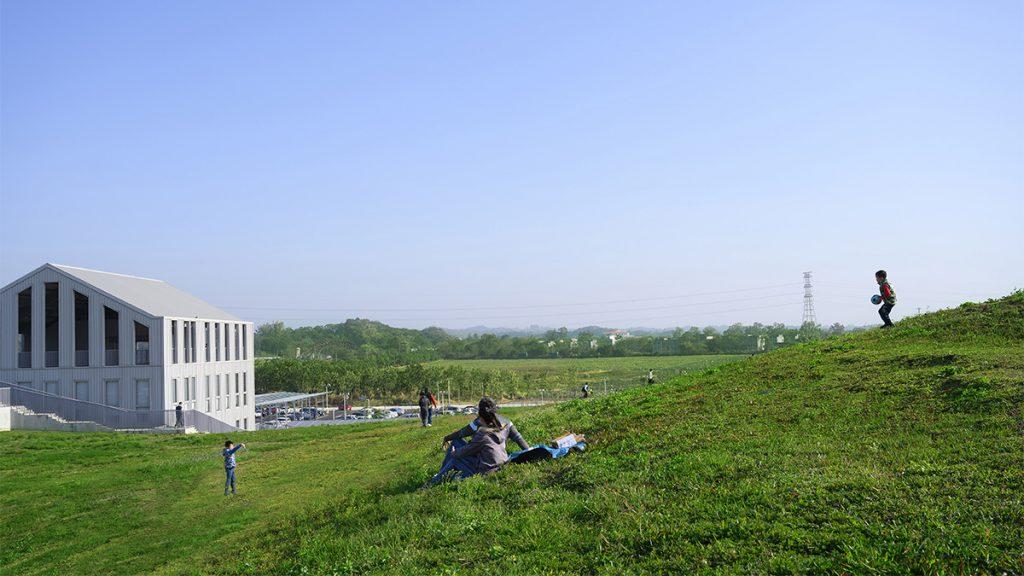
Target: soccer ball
(876, 299)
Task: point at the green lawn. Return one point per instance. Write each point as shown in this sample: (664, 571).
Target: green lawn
(567, 375)
(887, 452)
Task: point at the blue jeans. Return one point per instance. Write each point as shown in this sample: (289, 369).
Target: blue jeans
(229, 481)
(427, 416)
(884, 313)
(460, 467)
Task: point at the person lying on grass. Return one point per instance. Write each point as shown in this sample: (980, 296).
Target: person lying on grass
(485, 452)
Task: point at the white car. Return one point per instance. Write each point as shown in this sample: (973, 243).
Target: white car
(281, 422)
(388, 415)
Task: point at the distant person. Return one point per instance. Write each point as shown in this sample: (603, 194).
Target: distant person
(586, 390)
(427, 404)
(650, 376)
(485, 452)
(179, 416)
(888, 297)
(229, 465)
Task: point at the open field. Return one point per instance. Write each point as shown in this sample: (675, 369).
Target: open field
(567, 375)
(892, 452)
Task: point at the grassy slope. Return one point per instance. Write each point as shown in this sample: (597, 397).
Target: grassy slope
(894, 452)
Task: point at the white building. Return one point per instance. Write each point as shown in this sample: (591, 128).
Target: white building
(125, 341)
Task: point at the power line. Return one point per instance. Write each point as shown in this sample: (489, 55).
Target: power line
(583, 313)
(517, 307)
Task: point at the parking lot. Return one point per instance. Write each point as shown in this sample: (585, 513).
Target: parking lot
(312, 416)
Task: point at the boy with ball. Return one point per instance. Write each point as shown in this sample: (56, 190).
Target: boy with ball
(886, 295)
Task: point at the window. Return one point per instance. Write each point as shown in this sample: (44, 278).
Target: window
(188, 390)
(111, 337)
(227, 342)
(237, 347)
(245, 342)
(142, 394)
(53, 387)
(218, 403)
(193, 390)
(174, 341)
(81, 390)
(245, 423)
(187, 347)
(24, 340)
(216, 335)
(113, 392)
(236, 389)
(218, 385)
(174, 390)
(141, 344)
(206, 339)
(245, 381)
(192, 330)
(206, 386)
(236, 423)
(51, 327)
(81, 330)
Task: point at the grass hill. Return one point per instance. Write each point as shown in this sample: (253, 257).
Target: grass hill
(893, 452)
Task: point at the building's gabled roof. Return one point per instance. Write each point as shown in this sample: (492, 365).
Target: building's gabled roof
(153, 297)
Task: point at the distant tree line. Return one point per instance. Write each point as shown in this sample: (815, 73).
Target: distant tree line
(380, 344)
(397, 383)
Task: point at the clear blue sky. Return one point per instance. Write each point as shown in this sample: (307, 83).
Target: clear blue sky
(331, 159)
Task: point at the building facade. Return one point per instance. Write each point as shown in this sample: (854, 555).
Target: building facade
(125, 341)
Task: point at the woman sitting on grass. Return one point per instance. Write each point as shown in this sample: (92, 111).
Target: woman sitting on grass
(485, 453)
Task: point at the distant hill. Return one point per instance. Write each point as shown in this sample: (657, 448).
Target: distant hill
(355, 339)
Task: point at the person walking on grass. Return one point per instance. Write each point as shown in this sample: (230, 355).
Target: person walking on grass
(888, 297)
(427, 404)
(229, 465)
(650, 376)
(179, 416)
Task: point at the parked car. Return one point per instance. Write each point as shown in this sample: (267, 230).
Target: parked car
(281, 422)
(389, 414)
(469, 410)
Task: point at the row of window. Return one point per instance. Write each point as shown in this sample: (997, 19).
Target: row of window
(187, 391)
(112, 393)
(189, 342)
(80, 328)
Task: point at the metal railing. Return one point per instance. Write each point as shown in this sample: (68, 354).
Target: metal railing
(24, 359)
(111, 358)
(51, 358)
(81, 357)
(110, 417)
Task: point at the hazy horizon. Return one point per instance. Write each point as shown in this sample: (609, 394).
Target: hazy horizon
(565, 164)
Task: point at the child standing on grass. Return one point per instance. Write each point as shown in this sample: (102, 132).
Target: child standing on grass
(229, 465)
(888, 297)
